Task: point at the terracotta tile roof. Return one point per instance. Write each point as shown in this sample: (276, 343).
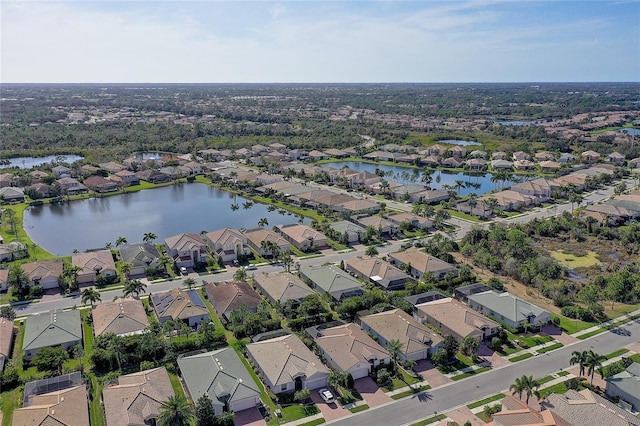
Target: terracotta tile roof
(282, 286)
(179, 304)
(228, 296)
(347, 345)
(121, 317)
(458, 317)
(95, 261)
(68, 407)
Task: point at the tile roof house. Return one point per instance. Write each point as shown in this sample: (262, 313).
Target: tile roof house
(71, 186)
(186, 249)
(587, 408)
(352, 232)
(282, 287)
(44, 273)
(590, 156)
(422, 263)
(332, 280)
(179, 304)
(418, 341)
(303, 237)
(141, 256)
(255, 237)
(357, 206)
(287, 365)
(378, 272)
(94, 263)
(348, 348)
(626, 386)
(508, 308)
(153, 176)
(11, 194)
(223, 377)
(229, 296)
(517, 413)
(415, 220)
(454, 318)
(53, 328)
(228, 243)
(136, 399)
(122, 317)
(67, 407)
(100, 184)
(4, 279)
(385, 226)
(6, 340)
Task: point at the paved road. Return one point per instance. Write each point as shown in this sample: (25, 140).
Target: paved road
(424, 404)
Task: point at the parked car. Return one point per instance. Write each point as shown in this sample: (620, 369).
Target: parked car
(326, 395)
(183, 270)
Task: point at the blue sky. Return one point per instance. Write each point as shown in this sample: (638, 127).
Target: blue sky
(320, 41)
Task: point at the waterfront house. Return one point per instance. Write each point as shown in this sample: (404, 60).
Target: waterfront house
(303, 237)
(255, 238)
(228, 243)
(186, 249)
(92, 264)
(141, 257)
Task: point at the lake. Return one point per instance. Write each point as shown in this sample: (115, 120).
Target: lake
(165, 211)
(412, 176)
(29, 162)
(458, 142)
(520, 123)
(630, 130)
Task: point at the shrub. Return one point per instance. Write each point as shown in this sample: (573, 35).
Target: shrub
(384, 377)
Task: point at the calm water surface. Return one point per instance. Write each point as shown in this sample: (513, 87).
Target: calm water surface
(165, 211)
(458, 142)
(29, 162)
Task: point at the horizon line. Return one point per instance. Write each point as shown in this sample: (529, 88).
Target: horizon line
(327, 82)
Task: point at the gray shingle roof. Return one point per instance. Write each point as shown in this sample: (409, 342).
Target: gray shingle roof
(507, 305)
(52, 329)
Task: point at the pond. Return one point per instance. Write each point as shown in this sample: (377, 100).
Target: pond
(165, 211)
(29, 162)
(479, 183)
(459, 142)
(630, 130)
(521, 122)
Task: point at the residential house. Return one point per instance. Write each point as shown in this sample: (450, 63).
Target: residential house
(66, 407)
(194, 167)
(587, 408)
(316, 155)
(418, 341)
(277, 147)
(476, 164)
(6, 341)
(384, 226)
(501, 164)
(348, 348)
(509, 309)
(590, 156)
(112, 167)
(141, 257)
(429, 296)
(543, 156)
(332, 280)
(336, 153)
(566, 158)
(463, 293)
(12, 251)
(458, 151)
(626, 386)
(303, 237)
(228, 243)
(39, 190)
(222, 376)
(421, 263)
(516, 413)
(61, 171)
(38, 175)
(99, 184)
(153, 176)
(431, 196)
(350, 231)
(499, 155)
(71, 186)
(540, 189)
(44, 273)
(10, 194)
(136, 399)
(287, 365)
(282, 287)
(616, 158)
(228, 296)
(122, 317)
(452, 162)
(452, 317)
(186, 249)
(50, 329)
(126, 178)
(381, 156)
(179, 304)
(478, 153)
(255, 238)
(93, 264)
(524, 165)
(357, 206)
(378, 272)
(413, 219)
(365, 179)
(437, 149)
(521, 155)
(549, 166)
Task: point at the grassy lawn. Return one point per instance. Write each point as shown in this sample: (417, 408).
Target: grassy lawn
(616, 353)
(545, 379)
(550, 348)
(470, 373)
(521, 357)
(10, 401)
(557, 388)
(96, 413)
(430, 420)
(572, 261)
(35, 252)
(607, 328)
(296, 412)
(486, 401)
(570, 326)
(410, 392)
(464, 216)
(314, 422)
(460, 363)
(359, 408)
(176, 385)
(531, 341)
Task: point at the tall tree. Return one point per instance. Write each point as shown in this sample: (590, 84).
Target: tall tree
(90, 295)
(126, 268)
(371, 251)
(263, 222)
(121, 241)
(134, 287)
(580, 358)
(149, 237)
(175, 411)
(525, 384)
(395, 347)
(593, 363)
(205, 413)
(50, 359)
(18, 280)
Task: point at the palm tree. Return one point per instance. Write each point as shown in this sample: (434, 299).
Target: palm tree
(579, 357)
(526, 384)
(175, 411)
(263, 222)
(593, 362)
(90, 295)
(190, 283)
(164, 260)
(134, 287)
(371, 251)
(394, 346)
(459, 185)
(149, 237)
(126, 268)
(121, 241)
(71, 273)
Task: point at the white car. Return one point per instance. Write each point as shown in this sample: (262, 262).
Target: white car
(326, 396)
(183, 270)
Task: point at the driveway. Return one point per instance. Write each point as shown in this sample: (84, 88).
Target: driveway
(249, 417)
(329, 411)
(431, 374)
(370, 392)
